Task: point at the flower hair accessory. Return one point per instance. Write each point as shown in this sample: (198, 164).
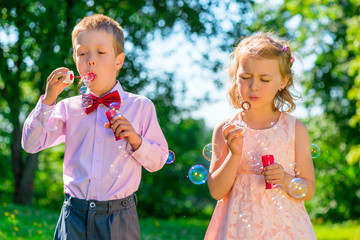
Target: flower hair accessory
(285, 48)
(292, 59)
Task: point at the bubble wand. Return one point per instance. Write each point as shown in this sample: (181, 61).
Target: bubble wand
(90, 76)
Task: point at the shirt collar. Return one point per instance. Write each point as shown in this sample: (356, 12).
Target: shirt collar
(118, 88)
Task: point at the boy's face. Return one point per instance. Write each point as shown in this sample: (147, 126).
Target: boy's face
(94, 52)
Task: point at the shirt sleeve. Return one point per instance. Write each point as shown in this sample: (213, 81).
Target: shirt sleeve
(43, 128)
(153, 152)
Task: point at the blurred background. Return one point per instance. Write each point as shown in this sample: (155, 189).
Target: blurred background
(176, 55)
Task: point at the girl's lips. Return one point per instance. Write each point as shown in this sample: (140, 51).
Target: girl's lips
(253, 98)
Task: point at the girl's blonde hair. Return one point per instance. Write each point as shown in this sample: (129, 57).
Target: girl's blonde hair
(102, 23)
(263, 45)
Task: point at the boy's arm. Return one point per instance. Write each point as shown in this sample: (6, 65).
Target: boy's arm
(42, 128)
(153, 151)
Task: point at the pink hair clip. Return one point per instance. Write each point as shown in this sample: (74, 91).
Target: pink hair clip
(292, 59)
(285, 48)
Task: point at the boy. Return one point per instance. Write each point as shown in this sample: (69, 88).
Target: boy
(99, 180)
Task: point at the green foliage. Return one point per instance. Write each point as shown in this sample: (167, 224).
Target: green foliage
(169, 192)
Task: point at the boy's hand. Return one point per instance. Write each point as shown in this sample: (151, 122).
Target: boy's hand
(233, 138)
(55, 85)
(123, 128)
(274, 173)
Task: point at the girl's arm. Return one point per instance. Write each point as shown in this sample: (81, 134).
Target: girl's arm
(303, 160)
(222, 172)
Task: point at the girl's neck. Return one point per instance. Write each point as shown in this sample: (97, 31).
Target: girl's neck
(259, 119)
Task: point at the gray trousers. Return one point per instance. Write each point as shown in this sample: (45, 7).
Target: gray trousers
(98, 220)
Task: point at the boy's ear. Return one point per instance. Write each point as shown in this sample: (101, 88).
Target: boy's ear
(119, 61)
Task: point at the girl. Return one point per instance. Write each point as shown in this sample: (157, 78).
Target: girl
(260, 73)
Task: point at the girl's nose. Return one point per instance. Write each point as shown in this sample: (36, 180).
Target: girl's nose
(253, 85)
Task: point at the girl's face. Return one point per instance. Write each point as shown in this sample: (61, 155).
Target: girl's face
(94, 52)
(259, 80)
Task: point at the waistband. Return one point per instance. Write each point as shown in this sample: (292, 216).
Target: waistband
(106, 206)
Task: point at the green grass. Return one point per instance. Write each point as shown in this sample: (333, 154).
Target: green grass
(21, 222)
(349, 230)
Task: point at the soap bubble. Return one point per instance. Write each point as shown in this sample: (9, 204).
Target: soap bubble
(240, 125)
(245, 219)
(114, 106)
(261, 142)
(314, 151)
(171, 157)
(253, 158)
(212, 151)
(297, 188)
(278, 202)
(121, 149)
(115, 170)
(53, 123)
(296, 168)
(198, 174)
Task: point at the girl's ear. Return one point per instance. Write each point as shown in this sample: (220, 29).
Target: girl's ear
(119, 61)
(284, 82)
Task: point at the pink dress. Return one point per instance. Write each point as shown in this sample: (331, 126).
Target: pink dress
(250, 211)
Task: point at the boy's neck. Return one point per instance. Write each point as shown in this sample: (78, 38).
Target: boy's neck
(102, 92)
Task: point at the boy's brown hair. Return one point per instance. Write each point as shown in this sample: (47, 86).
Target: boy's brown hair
(102, 23)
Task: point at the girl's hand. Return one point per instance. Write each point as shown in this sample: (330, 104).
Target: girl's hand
(274, 174)
(233, 138)
(55, 85)
(123, 128)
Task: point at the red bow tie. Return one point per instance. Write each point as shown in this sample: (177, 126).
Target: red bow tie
(106, 100)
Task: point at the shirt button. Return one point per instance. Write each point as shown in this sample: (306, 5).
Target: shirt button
(100, 123)
(97, 158)
(95, 178)
(98, 140)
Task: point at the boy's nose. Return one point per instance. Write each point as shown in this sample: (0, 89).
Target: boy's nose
(91, 62)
